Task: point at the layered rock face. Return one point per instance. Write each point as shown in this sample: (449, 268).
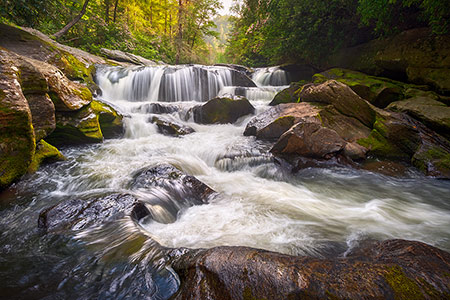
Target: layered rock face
(40, 99)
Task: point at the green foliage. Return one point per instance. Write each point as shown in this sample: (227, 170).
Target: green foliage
(282, 31)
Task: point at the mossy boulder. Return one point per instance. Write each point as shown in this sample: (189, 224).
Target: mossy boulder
(222, 110)
(45, 153)
(111, 121)
(289, 95)
(377, 90)
(392, 269)
(86, 125)
(433, 113)
(17, 140)
(74, 63)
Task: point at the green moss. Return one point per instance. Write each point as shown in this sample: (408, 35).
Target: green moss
(110, 121)
(84, 93)
(438, 156)
(379, 146)
(403, 287)
(45, 153)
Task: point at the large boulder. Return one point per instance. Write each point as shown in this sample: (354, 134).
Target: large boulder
(377, 90)
(86, 125)
(309, 139)
(344, 99)
(272, 123)
(45, 153)
(222, 110)
(393, 269)
(17, 139)
(79, 213)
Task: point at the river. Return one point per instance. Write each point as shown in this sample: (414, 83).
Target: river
(259, 202)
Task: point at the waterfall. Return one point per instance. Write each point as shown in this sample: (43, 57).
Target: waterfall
(272, 76)
(164, 83)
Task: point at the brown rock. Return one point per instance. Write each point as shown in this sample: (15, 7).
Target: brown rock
(309, 139)
(222, 110)
(393, 269)
(342, 98)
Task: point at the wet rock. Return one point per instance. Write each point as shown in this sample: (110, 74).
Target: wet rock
(121, 56)
(376, 270)
(17, 139)
(157, 108)
(355, 151)
(289, 95)
(170, 127)
(45, 153)
(86, 125)
(243, 69)
(221, 110)
(76, 214)
(184, 187)
(309, 139)
(377, 90)
(342, 98)
(109, 119)
(298, 72)
(240, 79)
(272, 123)
(388, 168)
(431, 112)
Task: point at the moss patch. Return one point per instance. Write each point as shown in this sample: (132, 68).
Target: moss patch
(404, 288)
(45, 153)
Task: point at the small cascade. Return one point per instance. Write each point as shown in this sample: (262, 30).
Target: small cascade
(271, 76)
(164, 83)
(265, 93)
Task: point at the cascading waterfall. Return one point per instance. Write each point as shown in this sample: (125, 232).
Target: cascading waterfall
(164, 83)
(272, 76)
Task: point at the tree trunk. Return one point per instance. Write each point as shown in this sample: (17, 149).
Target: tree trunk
(73, 22)
(180, 30)
(115, 10)
(107, 11)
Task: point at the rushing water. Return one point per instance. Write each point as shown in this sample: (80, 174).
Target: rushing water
(259, 203)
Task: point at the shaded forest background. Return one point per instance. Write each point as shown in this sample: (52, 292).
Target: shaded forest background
(260, 32)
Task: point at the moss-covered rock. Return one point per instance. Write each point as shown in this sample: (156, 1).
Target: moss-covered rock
(433, 113)
(289, 95)
(169, 127)
(433, 161)
(109, 119)
(377, 90)
(222, 110)
(17, 140)
(45, 153)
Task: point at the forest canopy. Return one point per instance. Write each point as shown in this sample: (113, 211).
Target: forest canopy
(169, 30)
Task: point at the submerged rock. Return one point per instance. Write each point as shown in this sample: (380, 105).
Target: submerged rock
(377, 270)
(221, 110)
(170, 127)
(76, 214)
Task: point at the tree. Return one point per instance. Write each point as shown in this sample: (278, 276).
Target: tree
(73, 22)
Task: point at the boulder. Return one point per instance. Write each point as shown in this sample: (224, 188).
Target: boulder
(240, 79)
(172, 128)
(74, 63)
(109, 119)
(377, 90)
(79, 213)
(309, 139)
(289, 95)
(298, 72)
(45, 153)
(221, 110)
(272, 123)
(433, 113)
(342, 98)
(392, 269)
(17, 139)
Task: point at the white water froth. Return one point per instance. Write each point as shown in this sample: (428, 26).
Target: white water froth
(272, 76)
(257, 204)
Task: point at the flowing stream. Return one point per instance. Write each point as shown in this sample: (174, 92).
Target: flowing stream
(259, 202)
